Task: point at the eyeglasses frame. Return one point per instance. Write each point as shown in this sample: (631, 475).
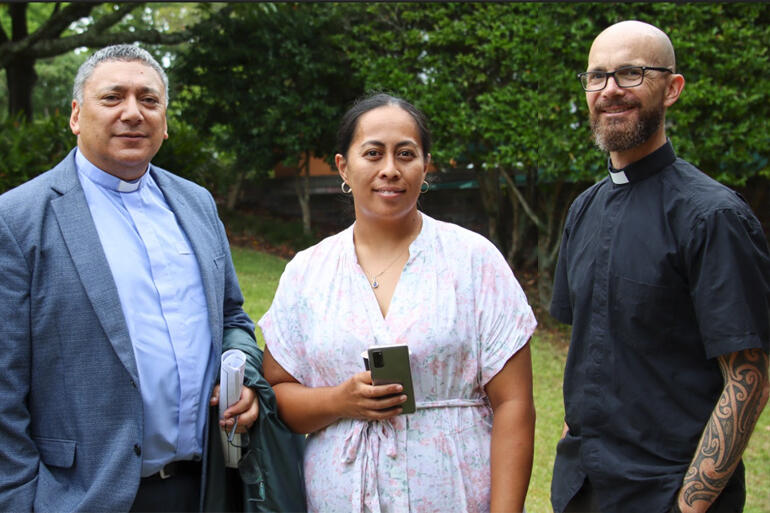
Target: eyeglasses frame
(608, 74)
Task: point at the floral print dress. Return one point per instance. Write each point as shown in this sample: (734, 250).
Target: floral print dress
(462, 313)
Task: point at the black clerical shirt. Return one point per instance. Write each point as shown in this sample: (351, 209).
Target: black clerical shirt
(661, 270)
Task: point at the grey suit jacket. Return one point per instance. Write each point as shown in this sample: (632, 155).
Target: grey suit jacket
(71, 415)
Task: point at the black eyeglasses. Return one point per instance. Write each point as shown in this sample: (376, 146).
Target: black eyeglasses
(625, 77)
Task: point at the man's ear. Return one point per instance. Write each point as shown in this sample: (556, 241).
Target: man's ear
(75, 118)
(673, 89)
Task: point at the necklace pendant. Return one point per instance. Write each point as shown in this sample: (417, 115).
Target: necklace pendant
(375, 284)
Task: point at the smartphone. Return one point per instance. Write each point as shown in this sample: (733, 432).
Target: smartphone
(390, 364)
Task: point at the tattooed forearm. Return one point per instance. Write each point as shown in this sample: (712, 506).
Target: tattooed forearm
(728, 429)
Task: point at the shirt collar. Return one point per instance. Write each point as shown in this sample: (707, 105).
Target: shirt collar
(644, 167)
(104, 179)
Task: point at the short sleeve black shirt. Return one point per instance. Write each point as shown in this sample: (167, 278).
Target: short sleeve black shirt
(661, 269)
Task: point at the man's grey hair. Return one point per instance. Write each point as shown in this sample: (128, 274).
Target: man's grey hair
(126, 53)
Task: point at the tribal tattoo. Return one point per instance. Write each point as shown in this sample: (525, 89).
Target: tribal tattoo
(729, 428)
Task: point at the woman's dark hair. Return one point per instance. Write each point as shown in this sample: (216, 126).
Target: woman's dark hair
(363, 105)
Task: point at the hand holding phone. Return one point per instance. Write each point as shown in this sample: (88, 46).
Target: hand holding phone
(390, 364)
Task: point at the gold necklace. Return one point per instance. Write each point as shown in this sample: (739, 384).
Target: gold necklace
(375, 284)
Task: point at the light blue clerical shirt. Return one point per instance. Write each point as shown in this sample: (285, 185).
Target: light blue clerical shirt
(163, 301)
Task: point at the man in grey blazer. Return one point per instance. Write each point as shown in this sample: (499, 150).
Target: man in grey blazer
(116, 291)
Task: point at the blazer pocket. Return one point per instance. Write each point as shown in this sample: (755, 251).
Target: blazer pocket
(55, 452)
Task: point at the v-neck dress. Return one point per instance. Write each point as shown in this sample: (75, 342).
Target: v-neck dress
(462, 313)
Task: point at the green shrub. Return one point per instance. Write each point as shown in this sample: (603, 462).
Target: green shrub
(186, 154)
(30, 148)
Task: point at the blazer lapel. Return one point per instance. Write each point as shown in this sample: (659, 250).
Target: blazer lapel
(82, 241)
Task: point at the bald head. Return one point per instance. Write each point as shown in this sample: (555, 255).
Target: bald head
(631, 43)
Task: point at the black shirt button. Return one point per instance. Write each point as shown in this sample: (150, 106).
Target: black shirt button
(138, 449)
(133, 383)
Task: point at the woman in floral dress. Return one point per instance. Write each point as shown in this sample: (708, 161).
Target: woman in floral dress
(398, 276)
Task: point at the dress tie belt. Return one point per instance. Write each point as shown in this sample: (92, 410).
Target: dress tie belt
(366, 439)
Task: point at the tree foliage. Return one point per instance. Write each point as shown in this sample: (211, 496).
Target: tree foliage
(267, 81)
(722, 121)
(39, 31)
(29, 148)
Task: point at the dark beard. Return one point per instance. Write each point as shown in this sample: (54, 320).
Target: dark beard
(614, 137)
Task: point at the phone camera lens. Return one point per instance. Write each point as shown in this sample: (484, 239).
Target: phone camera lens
(377, 359)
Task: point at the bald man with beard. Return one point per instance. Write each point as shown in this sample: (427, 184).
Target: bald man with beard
(664, 275)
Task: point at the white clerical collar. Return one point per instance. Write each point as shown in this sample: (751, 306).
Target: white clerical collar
(645, 167)
(104, 179)
(618, 177)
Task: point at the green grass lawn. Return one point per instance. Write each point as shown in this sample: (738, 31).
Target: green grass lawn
(258, 274)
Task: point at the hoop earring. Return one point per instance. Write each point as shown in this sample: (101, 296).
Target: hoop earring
(425, 187)
(342, 186)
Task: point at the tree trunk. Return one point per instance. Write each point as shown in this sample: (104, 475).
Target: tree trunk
(234, 190)
(549, 239)
(544, 272)
(20, 73)
(302, 186)
(548, 220)
(516, 230)
(20, 78)
(489, 187)
(545, 254)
